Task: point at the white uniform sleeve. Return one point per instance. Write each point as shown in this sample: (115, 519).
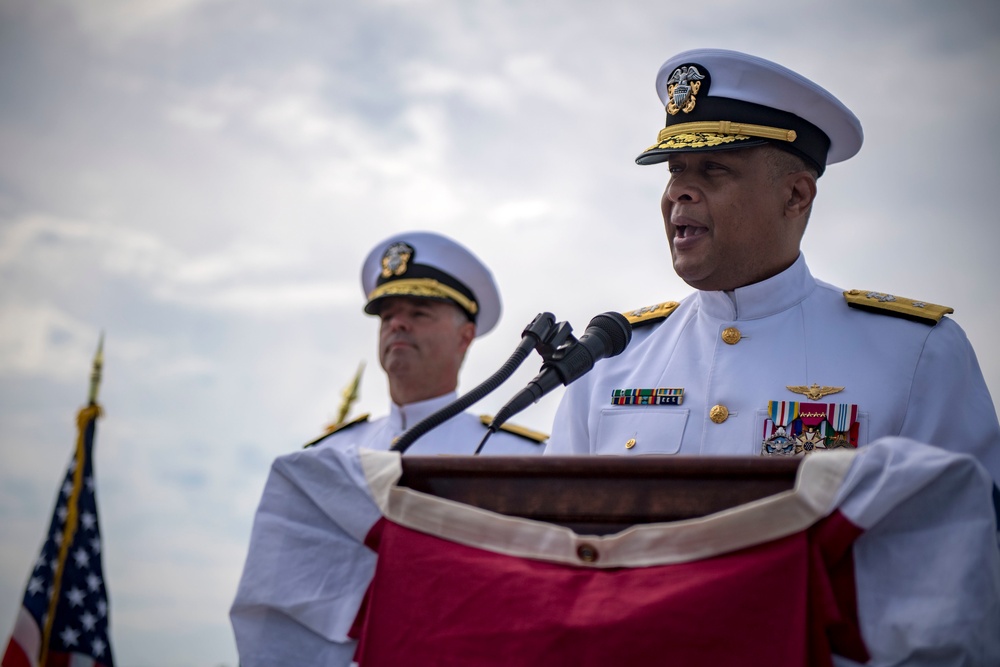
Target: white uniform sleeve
(307, 568)
(950, 405)
(927, 568)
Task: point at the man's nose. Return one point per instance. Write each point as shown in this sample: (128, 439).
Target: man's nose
(398, 322)
(681, 188)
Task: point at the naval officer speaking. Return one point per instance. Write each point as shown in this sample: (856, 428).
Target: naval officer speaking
(764, 358)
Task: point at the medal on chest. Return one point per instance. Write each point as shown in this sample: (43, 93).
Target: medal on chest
(795, 428)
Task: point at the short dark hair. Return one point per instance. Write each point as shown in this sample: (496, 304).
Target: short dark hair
(784, 162)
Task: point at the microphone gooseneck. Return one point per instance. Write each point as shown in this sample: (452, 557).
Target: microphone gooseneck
(607, 335)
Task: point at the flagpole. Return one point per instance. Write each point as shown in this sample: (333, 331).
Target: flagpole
(95, 373)
(87, 416)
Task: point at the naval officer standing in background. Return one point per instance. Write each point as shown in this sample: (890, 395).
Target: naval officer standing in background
(433, 297)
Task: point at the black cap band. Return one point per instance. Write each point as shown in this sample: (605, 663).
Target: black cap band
(426, 282)
(809, 142)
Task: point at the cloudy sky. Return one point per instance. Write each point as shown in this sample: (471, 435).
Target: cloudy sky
(200, 180)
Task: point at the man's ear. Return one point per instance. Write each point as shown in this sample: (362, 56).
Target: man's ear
(802, 192)
(466, 334)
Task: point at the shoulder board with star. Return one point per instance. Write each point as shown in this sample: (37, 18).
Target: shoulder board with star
(650, 314)
(528, 434)
(337, 428)
(897, 306)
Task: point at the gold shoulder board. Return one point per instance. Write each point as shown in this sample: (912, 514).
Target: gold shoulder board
(650, 314)
(337, 428)
(897, 306)
(524, 432)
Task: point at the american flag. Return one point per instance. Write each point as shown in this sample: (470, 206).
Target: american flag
(63, 621)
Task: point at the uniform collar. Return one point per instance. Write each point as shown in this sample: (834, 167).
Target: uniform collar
(402, 417)
(774, 295)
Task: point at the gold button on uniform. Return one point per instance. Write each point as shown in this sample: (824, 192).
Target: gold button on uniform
(719, 413)
(731, 335)
(630, 443)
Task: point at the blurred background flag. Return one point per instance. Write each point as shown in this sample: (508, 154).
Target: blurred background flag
(63, 620)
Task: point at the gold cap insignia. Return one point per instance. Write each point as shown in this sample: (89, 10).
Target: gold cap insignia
(814, 392)
(396, 258)
(682, 89)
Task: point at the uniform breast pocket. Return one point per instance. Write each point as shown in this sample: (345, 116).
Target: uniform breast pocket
(641, 430)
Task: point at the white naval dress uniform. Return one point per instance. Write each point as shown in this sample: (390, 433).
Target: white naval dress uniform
(286, 607)
(460, 435)
(905, 378)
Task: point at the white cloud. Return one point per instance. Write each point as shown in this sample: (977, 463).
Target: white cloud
(122, 19)
(426, 79)
(43, 340)
(204, 177)
(537, 74)
(241, 278)
(197, 118)
(264, 299)
(522, 212)
(505, 88)
(212, 108)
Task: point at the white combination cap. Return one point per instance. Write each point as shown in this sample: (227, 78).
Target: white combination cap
(717, 100)
(431, 266)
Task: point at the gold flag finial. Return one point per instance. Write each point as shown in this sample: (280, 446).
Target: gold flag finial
(95, 373)
(349, 395)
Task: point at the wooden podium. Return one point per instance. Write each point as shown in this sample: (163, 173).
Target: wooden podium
(600, 495)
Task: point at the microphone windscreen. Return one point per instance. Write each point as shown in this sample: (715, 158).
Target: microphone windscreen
(617, 330)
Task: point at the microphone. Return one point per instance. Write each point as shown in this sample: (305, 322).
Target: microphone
(607, 335)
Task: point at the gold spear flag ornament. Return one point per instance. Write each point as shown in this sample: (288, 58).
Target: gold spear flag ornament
(64, 613)
(349, 395)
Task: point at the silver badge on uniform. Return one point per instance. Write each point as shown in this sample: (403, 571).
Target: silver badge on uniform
(682, 89)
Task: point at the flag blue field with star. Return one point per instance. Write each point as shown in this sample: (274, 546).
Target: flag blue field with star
(64, 616)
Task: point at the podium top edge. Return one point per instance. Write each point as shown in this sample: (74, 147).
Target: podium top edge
(649, 465)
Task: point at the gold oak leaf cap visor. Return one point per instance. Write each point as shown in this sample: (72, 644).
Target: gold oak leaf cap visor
(717, 100)
(431, 266)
